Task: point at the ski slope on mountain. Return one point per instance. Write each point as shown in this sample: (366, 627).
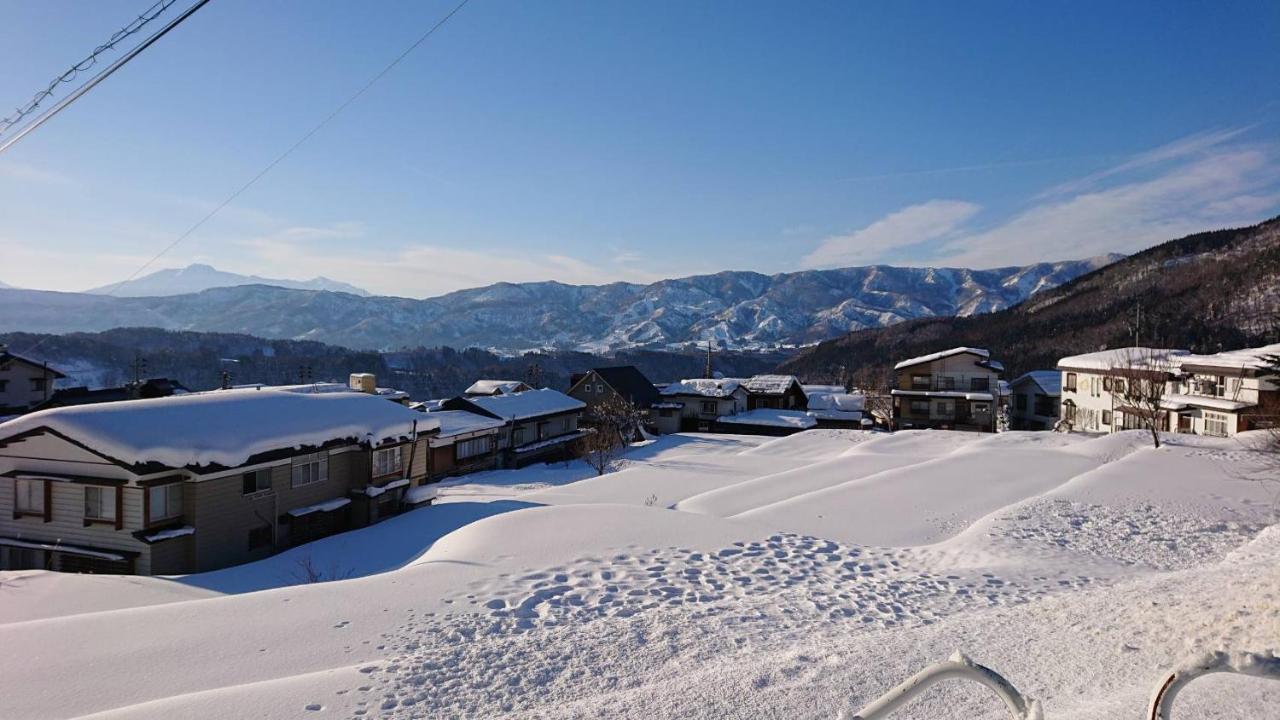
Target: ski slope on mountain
(713, 576)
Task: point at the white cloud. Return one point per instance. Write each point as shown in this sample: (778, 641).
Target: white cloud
(417, 270)
(908, 226)
(1220, 190)
(1198, 183)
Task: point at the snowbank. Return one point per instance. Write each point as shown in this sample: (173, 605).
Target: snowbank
(770, 417)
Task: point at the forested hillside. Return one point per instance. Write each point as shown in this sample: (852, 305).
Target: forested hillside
(1205, 292)
(199, 359)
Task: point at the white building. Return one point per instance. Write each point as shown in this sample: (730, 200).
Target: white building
(1216, 394)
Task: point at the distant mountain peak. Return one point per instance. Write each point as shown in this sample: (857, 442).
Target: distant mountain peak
(198, 277)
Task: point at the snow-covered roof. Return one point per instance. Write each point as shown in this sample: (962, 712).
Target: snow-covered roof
(981, 352)
(769, 384)
(1050, 381)
(772, 417)
(494, 387)
(822, 389)
(1138, 357)
(1178, 402)
(705, 387)
(326, 506)
(224, 427)
(527, 404)
(461, 422)
(845, 402)
(955, 394)
(1248, 358)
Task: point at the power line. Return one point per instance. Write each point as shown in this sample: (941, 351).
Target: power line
(138, 23)
(280, 158)
(297, 144)
(107, 71)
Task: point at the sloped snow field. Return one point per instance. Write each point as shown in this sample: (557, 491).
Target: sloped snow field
(713, 576)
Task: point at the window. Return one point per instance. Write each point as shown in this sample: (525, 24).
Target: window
(980, 384)
(39, 384)
(164, 502)
(473, 447)
(1106, 384)
(599, 388)
(256, 481)
(708, 407)
(919, 407)
(1220, 387)
(1118, 385)
(30, 497)
(1070, 384)
(259, 537)
(517, 437)
(1215, 424)
(586, 387)
(99, 503)
(388, 461)
(1106, 417)
(309, 469)
(945, 408)
(1020, 402)
(980, 408)
(920, 382)
(1069, 411)
(946, 382)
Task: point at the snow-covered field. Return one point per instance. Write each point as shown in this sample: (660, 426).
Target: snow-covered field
(713, 576)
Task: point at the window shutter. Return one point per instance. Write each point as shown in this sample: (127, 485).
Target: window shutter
(146, 506)
(119, 507)
(48, 501)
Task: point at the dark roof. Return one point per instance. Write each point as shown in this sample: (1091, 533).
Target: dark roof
(7, 357)
(152, 388)
(630, 383)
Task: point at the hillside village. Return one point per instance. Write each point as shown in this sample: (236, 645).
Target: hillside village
(154, 479)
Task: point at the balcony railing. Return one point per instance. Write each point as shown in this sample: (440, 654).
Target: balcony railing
(938, 383)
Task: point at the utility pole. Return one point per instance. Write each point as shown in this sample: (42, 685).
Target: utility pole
(706, 371)
(139, 366)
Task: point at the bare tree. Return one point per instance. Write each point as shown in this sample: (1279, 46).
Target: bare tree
(611, 422)
(876, 385)
(1140, 382)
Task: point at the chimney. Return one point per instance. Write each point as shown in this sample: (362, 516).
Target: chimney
(364, 382)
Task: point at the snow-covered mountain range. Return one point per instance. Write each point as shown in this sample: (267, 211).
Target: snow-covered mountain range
(198, 277)
(734, 309)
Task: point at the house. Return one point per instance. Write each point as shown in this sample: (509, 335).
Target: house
(1035, 398)
(694, 405)
(1220, 395)
(539, 425)
(200, 481)
(623, 382)
(24, 383)
(1225, 393)
(832, 407)
(465, 442)
(953, 389)
(484, 388)
(368, 383)
(81, 395)
(781, 392)
(1092, 394)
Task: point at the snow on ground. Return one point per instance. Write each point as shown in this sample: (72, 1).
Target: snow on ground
(712, 576)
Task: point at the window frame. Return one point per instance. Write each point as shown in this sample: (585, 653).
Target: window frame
(109, 502)
(317, 460)
(170, 511)
(257, 489)
(1069, 384)
(484, 442)
(31, 485)
(381, 469)
(713, 405)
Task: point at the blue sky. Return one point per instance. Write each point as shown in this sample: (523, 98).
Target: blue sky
(590, 142)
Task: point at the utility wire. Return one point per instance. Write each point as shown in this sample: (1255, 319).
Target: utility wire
(62, 104)
(297, 144)
(281, 157)
(138, 23)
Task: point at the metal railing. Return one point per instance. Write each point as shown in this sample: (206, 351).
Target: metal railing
(1021, 707)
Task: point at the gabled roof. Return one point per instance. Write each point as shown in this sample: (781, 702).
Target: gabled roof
(980, 352)
(7, 357)
(461, 422)
(1050, 381)
(630, 383)
(223, 428)
(703, 387)
(523, 405)
(770, 384)
(495, 387)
